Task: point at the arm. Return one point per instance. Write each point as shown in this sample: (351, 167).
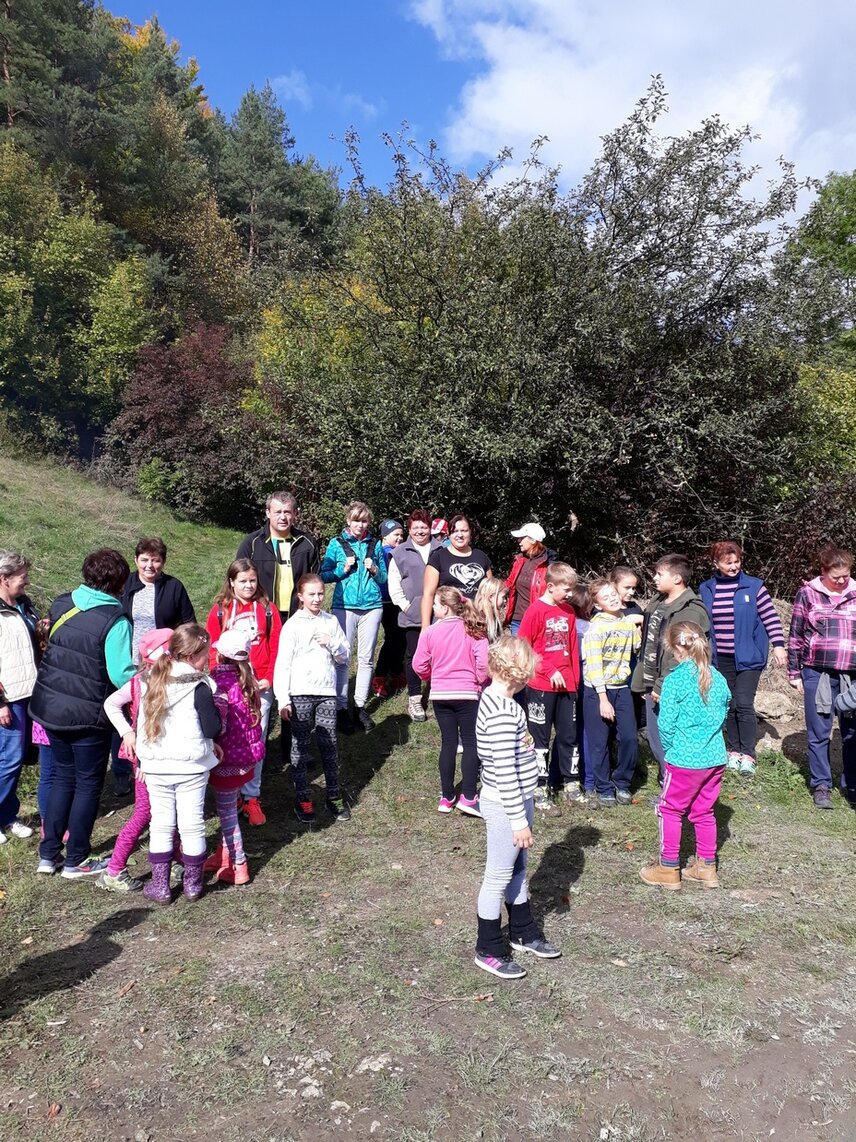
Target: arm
(206, 710)
(796, 638)
(480, 649)
(667, 719)
(338, 644)
(333, 563)
(503, 744)
(593, 642)
(272, 646)
(114, 708)
(773, 626)
(213, 628)
(245, 547)
(186, 613)
(429, 589)
(379, 560)
(422, 658)
(117, 653)
(282, 667)
(396, 593)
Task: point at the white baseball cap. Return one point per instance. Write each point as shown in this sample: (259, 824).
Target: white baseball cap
(531, 531)
(234, 644)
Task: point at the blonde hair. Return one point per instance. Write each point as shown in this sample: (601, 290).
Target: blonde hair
(690, 638)
(187, 642)
(561, 573)
(595, 587)
(356, 509)
(462, 608)
(512, 659)
(490, 604)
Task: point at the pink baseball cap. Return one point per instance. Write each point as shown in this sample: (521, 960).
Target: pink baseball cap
(154, 644)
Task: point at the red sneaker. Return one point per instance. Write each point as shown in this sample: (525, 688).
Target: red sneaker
(379, 687)
(235, 874)
(252, 810)
(218, 860)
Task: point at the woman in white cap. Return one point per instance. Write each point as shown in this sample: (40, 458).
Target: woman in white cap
(527, 579)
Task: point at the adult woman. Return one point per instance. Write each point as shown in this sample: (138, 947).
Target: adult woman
(460, 565)
(822, 655)
(406, 576)
(87, 657)
(18, 655)
(527, 579)
(243, 604)
(354, 562)
(743, 623)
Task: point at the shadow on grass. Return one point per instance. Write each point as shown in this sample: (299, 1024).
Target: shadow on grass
(67, 967)
(560, 867)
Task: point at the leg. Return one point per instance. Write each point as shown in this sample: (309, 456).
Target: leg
(726, 666)
(745, 689)
(818, 731)
(227, 810)
(13, 746)
(368, 625)
(91, 752)
(387, 662)
(253, 787)
(654, 743)
(679, 788)
(625, 729)
(414, 682)
(59, 799)
(517, 890)
(162, 802)
(46, 776)
(132, 830)
(539, 724)
(301, 735)
(501, 867)
(348, 622)
(325, 735)
(847, 726)
(448, 722)
(467, 712)
(190, 814)
(701, 812)
(597, 742)
(565, 725)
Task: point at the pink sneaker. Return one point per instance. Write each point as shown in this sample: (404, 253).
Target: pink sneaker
(446, 805)
(469, 806)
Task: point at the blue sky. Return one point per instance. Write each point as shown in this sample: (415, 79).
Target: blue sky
(479, 74)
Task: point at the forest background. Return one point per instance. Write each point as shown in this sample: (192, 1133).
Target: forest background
(193, 310)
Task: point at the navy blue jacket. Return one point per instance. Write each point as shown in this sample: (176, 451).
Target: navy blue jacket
(751, 642)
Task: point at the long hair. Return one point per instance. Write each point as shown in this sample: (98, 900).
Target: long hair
(227, 595)
(691, 639)
(462, 608)
(188, 641)
(490, 605)
(248, 684)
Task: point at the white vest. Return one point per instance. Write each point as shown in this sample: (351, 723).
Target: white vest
(181, 747)
(17, 659)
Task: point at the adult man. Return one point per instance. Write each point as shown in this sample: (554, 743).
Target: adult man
(281, 552)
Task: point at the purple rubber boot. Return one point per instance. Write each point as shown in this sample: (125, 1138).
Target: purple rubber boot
(157, 890)
(193, 876)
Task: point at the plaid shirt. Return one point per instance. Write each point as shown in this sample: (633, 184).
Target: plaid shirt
(823, 630)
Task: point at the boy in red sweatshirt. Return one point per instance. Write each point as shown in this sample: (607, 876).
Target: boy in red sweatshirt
(550, 627)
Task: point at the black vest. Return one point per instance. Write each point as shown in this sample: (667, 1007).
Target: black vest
(72, 681)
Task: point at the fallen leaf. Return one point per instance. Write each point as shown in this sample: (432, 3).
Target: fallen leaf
(619, 963)
(211, 999)
(325, 895)
(177, 970)
(629, 846)
(28, 940)
(566, 900)
(438, 922)
(486, 998)
(54, 1109)
(129, 986)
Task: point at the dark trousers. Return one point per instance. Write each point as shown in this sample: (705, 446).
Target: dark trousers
(414, 682)
(80, 765)
(819, 729)
(457, 718)
(742, 725)
(598, 733)
(652, 710)
(546, 710)
(390, 660)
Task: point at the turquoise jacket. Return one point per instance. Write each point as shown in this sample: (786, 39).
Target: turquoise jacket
(356, 590)
(690, 728)
(117, 645)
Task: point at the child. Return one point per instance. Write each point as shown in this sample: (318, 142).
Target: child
(509, 779)
(312, 647)
(453, 655)
(115, 877)
(390, 660)
(693, 707)
(550, 627)
(626, 582)
(177, 726)
(608, 648)
(491, 603)
(243, 746)
(673, 602)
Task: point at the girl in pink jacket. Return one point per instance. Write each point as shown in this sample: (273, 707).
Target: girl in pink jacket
(452, 654)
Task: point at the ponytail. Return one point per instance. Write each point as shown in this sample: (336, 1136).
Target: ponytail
(692, 640)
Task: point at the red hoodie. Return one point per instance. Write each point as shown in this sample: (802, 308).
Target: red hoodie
(551, 631)
(264, 647)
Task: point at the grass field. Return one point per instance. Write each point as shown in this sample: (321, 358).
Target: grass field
(336, 995)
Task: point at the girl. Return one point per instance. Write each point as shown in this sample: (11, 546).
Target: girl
(243, 746)
(243, 603)
(354, 562)
(491, 603)
(626, 582)
(175, 748)
(453, 655)
(611, 641)
(312, 649)
(115, 877)
(509, 777)
(19, 657)
(693, 706)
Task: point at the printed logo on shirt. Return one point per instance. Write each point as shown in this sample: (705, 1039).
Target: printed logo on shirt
(556, 635)
(247, 623)
(537, 713)
(467, 574)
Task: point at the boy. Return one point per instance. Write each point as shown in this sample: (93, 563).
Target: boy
(673, 602)
(549, 625)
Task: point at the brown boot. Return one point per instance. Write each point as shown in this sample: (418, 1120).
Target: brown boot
(701, 872)
(659, 875)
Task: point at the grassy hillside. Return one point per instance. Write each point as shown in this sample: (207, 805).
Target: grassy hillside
(56, 516)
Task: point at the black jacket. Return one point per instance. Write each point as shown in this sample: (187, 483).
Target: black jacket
(305, 559)
(172, 602)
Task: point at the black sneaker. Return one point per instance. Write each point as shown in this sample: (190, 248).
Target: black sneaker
(624, 797)
(304, 811)
(343, 722)
(822, 797)
(538, 947)
(122, 784)
(607, 800)
(338, 807)
(363, 719)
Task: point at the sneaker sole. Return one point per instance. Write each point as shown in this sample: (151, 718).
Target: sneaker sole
(469, 811)
(498, 974)
(532, 952)
(697, 880)
(445, 808)
(66, 875)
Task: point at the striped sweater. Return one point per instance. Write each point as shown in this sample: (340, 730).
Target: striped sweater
(608, 649)
(509, 770)
(722, 614)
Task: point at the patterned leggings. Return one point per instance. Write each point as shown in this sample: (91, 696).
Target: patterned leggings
(226, 801)
(311, 712)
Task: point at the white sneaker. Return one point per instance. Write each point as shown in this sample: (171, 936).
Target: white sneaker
(3, 838)
(19, 829)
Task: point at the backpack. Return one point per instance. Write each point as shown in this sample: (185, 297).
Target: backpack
(268, 619)
(350, 553)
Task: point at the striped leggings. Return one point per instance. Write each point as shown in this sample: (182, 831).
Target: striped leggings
(226, 801)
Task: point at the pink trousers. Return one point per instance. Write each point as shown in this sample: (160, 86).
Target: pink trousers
(691, 793)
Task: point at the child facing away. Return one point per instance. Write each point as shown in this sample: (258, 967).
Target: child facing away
(509, 779)
(452, 653)
(608, 648)
(491, 603)
(693, 708)
(312, 647)
(115, 877)
(176, 729)
(243, 746)
(549, 625)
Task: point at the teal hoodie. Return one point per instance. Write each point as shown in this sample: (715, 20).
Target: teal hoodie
(691, 728)
(356, 590)
(117, 645)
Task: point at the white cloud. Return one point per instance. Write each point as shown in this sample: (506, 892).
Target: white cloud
(573, 70)
(293, 87)
(296, 87)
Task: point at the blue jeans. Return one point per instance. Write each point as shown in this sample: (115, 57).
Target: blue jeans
(13, 746)
(46, 776)
(598, 733)
(818, 730)
(80, 765)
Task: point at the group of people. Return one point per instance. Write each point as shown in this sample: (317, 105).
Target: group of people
(533, 678)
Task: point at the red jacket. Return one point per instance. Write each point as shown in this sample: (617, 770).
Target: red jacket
(264, 648)
(539, 581)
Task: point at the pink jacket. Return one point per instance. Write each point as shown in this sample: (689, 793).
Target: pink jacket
(240, 739)
(455, 662)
